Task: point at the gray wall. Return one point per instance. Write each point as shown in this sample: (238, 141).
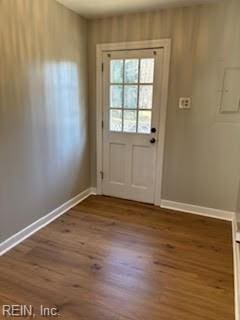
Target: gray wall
(44, 156)
(202, 155)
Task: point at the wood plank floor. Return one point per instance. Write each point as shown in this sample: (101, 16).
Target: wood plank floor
(111, 259)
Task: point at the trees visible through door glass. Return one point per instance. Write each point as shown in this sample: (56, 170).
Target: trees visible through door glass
(131, 71)
(116, 120)
(130, 120)
(147, 70)
(116, 71)
(144, 121)
(130, 97)
(145, 97)
(116, 96)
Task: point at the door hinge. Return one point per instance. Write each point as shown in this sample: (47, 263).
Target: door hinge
(102, 175)
(102, 67)
(102, 124)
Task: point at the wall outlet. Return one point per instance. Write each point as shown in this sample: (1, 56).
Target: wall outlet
(185, 103)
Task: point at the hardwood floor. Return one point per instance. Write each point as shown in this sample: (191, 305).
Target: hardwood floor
(111, 259)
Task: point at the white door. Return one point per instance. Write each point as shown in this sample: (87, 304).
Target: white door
(131, 117)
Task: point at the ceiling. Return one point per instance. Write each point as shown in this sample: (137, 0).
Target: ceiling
(100, 8)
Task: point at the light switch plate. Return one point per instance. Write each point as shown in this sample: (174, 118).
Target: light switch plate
(185, 103)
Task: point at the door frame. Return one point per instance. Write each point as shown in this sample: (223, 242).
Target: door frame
(135, 45)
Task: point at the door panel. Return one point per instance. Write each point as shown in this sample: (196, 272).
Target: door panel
(142, 157)
(131, 102)
(117, 157)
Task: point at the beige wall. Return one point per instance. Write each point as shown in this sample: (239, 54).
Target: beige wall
(202, 155)
(44, 156)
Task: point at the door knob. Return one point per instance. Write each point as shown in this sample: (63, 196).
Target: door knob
(153, 140)
(153, 130)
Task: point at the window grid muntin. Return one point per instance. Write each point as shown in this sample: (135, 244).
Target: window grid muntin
(138, 84)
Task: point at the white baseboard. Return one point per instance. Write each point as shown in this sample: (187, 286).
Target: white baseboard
(93, 190)
(203, 211)
(218, 214)
(23, 234)
(236, 264)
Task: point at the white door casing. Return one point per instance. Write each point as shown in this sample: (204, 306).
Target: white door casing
(130, 163)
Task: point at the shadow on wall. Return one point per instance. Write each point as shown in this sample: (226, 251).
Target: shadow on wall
(44, 158)
(49, 144)
(59, 120)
